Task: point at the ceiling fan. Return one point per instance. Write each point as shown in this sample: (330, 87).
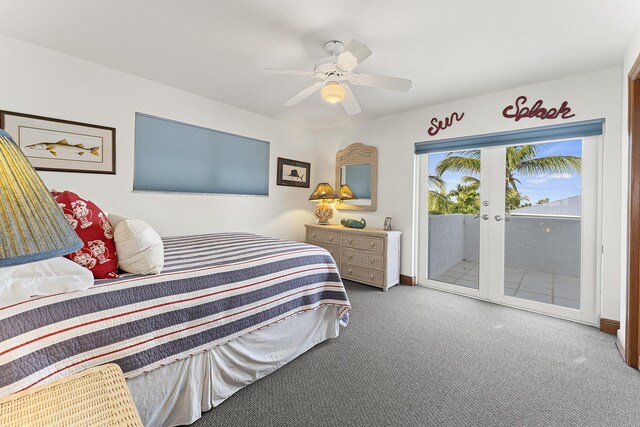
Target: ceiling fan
(336, 70)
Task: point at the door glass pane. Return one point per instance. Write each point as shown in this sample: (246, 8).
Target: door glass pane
(454, 223)
(543, 206)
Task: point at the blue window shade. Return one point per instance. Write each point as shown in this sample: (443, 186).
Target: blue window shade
(524, 136)
(177, 157)
(358, 178)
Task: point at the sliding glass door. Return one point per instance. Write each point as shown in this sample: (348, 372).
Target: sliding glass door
(514, 224)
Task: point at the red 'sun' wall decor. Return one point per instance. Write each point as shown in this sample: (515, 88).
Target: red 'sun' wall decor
(536, 111)
(438, 125)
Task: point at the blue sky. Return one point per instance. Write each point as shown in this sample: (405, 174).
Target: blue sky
(553, 186)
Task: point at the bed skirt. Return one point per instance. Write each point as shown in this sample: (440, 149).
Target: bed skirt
(178, 393)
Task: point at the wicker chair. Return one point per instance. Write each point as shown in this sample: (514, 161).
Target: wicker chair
(95, 397)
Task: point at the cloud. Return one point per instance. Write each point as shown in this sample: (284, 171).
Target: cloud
(545, 177)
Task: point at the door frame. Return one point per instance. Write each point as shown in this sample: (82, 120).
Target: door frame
(632, 327)
(591, 230)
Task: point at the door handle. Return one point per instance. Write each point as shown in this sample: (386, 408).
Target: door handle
(485, 217)
(499, 218)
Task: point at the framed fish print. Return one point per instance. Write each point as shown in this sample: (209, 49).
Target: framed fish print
(62, 145)
(293, 173)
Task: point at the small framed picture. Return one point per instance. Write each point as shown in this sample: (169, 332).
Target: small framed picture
(293, 173)
(62, 145)
(387, 224)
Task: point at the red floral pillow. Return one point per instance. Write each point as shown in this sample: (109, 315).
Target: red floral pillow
(93, 227)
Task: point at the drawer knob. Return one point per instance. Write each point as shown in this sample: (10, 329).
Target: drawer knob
(331, 238)
(372, 277)
(350, 241)
(350, 271)
(373, 261)
(313, 235)
(351, 256)
(373, 244)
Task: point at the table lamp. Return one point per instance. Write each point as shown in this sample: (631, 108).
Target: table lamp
(323, 210)
(32, 225)
(346, 193)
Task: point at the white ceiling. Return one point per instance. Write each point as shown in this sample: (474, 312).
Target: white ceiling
(451, 49)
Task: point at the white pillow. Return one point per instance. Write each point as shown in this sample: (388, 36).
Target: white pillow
(139, 247)
(51, 276)
(115, 219)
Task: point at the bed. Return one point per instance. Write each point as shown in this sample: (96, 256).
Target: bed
(228, 309)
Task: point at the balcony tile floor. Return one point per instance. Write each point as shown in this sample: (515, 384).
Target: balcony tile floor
(551, 288)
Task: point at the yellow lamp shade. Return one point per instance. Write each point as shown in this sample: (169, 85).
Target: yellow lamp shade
(333, 92)
(323, 191)
(346, 193)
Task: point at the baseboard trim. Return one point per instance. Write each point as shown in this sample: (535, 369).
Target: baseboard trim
(609, 326)
(407, 280)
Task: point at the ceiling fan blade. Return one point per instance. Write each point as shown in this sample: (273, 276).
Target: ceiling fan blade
(303, 94)
(289, 72)
(385, 82)
(354, 54)
(350, 103)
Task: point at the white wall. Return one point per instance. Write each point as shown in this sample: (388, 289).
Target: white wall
(630, 56)
(593, 95)
(43, 82)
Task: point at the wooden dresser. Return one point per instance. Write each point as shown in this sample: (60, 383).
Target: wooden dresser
(370, 256)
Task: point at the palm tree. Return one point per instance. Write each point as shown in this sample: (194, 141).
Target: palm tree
(467, 197)
(439, 201)
(522, 159)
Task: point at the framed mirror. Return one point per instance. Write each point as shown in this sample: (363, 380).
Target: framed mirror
(357, 167)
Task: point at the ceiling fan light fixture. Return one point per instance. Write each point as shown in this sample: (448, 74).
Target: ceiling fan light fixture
(332, 92)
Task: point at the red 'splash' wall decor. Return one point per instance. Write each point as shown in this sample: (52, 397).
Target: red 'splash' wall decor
(438, 125)
(536, 111)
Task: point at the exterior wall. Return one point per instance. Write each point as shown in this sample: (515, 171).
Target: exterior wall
(569, 206)
(543, 244)
(471, 238)
(447, 240)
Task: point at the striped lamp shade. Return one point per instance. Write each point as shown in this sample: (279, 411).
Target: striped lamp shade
(32, 226)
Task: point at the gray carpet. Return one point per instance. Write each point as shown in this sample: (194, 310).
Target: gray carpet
(420, 357)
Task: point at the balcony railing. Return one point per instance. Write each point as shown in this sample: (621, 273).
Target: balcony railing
(544, 247)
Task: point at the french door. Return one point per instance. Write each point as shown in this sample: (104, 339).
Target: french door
(516, 225)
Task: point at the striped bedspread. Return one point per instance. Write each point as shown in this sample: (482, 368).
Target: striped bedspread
(214, 288)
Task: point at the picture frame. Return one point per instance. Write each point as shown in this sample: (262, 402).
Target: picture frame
(293, 173)
(387, 224)
(62, 145)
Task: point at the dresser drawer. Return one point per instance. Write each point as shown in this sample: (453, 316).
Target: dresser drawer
(362, 274)
(368, 243)
(363, 258)
(332, 249)
(323, 236)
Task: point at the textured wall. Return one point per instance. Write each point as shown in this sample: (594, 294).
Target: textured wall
(542, 244)
(446, 242)
(551, 245)
(471, 238)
